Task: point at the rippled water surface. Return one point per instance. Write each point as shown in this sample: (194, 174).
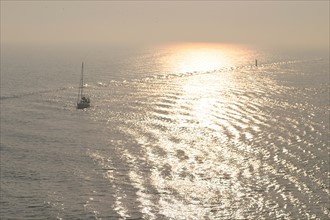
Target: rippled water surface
(173, 133)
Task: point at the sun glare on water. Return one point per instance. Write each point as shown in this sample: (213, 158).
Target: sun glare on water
(199, 57)
(202, 58)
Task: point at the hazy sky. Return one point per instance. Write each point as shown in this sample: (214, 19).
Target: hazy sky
(279, 23)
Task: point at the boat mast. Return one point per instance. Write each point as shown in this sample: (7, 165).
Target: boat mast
(80, 93)
(82, 79)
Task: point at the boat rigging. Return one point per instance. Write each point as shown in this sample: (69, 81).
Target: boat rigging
(83, 101)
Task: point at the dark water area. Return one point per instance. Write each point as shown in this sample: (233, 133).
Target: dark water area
(180, 132)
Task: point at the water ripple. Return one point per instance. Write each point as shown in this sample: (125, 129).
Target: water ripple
(206, 145)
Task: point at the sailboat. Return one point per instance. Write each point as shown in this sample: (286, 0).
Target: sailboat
(83, 102)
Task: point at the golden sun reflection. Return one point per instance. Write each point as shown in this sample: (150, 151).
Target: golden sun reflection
(199, 57)
(206, 64)
(202, 91)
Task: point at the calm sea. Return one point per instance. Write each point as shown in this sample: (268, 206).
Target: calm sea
(192, 131)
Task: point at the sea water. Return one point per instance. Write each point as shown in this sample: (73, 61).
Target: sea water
(178, 132)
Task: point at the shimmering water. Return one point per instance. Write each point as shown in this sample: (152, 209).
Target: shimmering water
(177, 132)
